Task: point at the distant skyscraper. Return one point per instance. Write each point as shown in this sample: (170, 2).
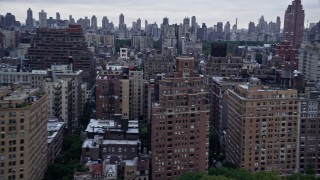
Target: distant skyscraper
(294, 23)
(121, 19)
(252, 27)
(86, 22)
(278, 25)
(314, 33)
(235, 26)
(194, 25)
(29, 21)
(122, 27)
(105, 22)
(94, 22)
(43, 19)
(193, 21)
(9, 20)
(262, 25)
(145, 25)
(227, 28)
(71, 19)
(272, 27)
(139, 24)
(204, 32)
(219, 27)
(155, 32)
(186, 22)
(134, 26)
(57, 16)
(165, 21)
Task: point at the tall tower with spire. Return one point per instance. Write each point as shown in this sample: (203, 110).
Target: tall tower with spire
(235, 26)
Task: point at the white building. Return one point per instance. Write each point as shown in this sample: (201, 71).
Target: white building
(43, 19)
(309, 61)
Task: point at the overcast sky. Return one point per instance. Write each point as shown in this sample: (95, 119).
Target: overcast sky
(208, 11)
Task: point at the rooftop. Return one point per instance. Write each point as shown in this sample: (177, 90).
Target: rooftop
(95, 143)
(220, 79)
(130, 162)
(99, 126)
(53, 127)
(121, 142)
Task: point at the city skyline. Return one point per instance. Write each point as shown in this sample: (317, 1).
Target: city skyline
(153, 11)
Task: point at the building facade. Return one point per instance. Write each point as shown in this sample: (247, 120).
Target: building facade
(23, 117)
(263, 128)
(224, 66)
(309, 58)
(180, 124)
(294, 23)
(309, 144)
(62, 46)
(112, 94)
(136, 93)
(157, 64)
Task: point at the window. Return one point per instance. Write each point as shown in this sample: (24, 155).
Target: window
(12, 114)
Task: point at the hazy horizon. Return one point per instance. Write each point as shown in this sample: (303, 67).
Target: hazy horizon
(206, 11)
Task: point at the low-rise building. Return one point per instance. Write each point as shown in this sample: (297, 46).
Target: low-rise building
(113, 147)
(55, 138)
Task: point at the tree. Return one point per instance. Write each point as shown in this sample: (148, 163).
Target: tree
(126, 43)
(157, 44)
(191, 176)
(259, 58)
(214, 148)
(242, 174)
(266, 175)
(206, 48)
(69, 160)
(85, 119)
(143, 129)
(299, 176)
(310, 170)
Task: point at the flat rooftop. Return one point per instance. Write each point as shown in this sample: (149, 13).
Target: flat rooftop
(20, 94)
(99, 126)
(53, 127)
(94, 143)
